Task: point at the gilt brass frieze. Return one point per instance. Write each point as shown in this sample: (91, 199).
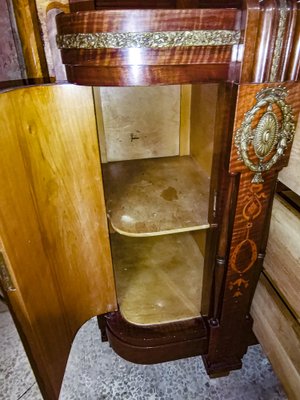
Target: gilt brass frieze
(167, 39)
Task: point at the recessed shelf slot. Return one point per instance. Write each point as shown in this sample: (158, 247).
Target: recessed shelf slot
(158, 279)
(159, 196)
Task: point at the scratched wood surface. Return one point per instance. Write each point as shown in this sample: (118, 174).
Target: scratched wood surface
(140, 122)
(156, 196)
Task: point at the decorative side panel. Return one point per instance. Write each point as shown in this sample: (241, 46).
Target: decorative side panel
(264, 129)
(264, 126)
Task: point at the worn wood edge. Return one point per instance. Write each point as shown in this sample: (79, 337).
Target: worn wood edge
(290, 175)
(100, 123)
(281, 342)
(160, 233)
(31, 41)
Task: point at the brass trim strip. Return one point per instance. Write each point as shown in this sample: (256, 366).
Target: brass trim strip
(283, 14)
(151, 40)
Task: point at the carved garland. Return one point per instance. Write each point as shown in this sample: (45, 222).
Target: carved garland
(269, 133)
(164, 39)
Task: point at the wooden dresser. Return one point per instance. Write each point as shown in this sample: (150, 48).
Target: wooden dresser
(143, 194)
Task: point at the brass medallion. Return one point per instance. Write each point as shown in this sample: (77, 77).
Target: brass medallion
(269, 135)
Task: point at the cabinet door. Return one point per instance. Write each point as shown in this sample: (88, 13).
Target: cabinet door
(53, 227)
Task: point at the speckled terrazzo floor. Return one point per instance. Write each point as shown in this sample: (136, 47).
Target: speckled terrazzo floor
(95, 372)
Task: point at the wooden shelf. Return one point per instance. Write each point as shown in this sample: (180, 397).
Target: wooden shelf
(158, 279)
(156, 196)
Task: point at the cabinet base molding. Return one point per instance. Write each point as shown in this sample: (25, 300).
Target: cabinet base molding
(156, 343)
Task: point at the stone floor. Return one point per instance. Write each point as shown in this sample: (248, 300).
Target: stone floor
(95, 372)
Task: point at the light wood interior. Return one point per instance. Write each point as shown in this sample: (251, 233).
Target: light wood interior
(283, 253)
(156, 196)
(291, 176)
(159, 279)
(52, 219)
(139, 122)
(279, 334)
(202, 122)
(156, 147)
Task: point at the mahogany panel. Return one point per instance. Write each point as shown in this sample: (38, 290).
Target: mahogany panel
(146, 20)
(269, 19)
(140, 56)
(147, 75)
(293, 69)
(250, 20)
(84, 5)
(271, 51)
(139, 4)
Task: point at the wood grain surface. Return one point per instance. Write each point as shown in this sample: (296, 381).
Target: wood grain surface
(279, 334)
(283, 254)
(31, 41)
(146, 20)
(138, 66)
(151, 280)
(290, 176)
(53, 222)
(247, 242)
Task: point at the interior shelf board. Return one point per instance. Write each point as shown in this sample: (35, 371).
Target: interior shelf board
(158, 279)
(159, 196)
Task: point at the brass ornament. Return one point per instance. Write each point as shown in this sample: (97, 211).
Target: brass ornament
(268, 135)
(283, 15)
(152, 40)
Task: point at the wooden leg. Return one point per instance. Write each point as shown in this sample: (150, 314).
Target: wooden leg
(102, 326)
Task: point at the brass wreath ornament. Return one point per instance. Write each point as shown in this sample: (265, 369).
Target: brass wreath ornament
(269, 133)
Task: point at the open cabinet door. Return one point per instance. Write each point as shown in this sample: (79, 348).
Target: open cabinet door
(53, 227)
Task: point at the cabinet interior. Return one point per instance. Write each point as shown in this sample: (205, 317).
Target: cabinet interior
(156, 146)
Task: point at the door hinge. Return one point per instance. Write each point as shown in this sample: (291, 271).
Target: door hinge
(5, 276)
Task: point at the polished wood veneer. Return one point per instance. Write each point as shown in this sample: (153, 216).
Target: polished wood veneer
(53, 226)
(147, 66)
(158, 343)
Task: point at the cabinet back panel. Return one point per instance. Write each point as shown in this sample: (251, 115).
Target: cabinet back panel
(141, 122)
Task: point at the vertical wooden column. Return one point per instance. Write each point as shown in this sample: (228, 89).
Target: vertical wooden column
(271, 36)
(31, 41)
(264, 126)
